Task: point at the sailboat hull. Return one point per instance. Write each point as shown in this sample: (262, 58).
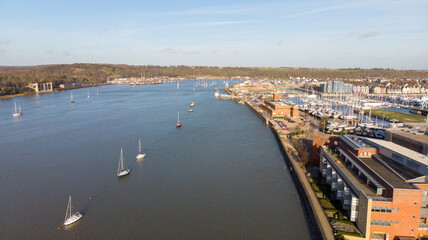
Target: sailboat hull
(141, 156)
(16, 114)
(73, 218)
(124, 173)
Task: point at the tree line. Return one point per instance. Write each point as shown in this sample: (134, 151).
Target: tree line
(14, 79)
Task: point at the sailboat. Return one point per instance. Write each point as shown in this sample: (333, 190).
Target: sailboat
(178, 120)
(192, 104)
(178, 85)
(89, 95)
(71, 98)
(141, 153)
(17, 113)
(98, 93)
(120, 171)
(69, 219)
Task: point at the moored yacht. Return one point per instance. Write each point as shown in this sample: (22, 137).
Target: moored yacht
(69, 218)
(17, 113)
(141, 153)
(121, 172)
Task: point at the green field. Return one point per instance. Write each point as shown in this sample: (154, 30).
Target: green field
(402, 117)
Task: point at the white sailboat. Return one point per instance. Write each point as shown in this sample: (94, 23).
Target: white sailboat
(69, 219)
(178, 85)
(98, 93)
(17, 113)
(192, 104)
(71, 98)
(89, 96)
(141, 153)
(178, 120)
(120, 171)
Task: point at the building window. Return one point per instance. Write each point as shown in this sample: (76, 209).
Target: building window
(382, 223)
(383, 209)
(335, 143)
(328, 141)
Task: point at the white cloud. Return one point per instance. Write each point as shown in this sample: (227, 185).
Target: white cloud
(171, 50)
(64, 53)
(102, 31)
(324, 9)
(205, 11)
(219, 23)
(370, 34)
(215, 51)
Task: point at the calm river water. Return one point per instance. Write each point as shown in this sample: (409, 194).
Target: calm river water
(221, 176)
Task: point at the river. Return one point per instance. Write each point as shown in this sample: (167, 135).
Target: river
(221, 176)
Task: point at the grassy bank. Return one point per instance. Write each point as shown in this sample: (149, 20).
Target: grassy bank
(15, 95)
(402, 117)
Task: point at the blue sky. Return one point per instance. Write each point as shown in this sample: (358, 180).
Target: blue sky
(305, 33)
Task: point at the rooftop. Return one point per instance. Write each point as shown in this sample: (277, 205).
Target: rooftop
(387, 174)
(420, 138)
(408, 153)
(356, 142)
(278, 103)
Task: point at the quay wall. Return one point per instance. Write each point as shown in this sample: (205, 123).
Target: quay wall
(227, 91)
(258, 114)
(317, 218)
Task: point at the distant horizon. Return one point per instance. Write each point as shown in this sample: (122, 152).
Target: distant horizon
(143, 65)
(333, 34)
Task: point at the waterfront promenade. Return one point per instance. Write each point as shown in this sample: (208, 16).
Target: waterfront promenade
(317, 216)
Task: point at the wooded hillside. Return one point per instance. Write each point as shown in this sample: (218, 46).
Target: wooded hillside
(14, 79)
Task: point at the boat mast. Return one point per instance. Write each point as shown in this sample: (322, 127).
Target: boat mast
(15, 107)
(139, 145)
(120, 167)
(68, 211)
(178, 117)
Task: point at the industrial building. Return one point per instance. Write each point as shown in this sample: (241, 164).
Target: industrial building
(41, 87)
(276, 108)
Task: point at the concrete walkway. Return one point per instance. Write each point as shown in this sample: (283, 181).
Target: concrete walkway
(319, 214)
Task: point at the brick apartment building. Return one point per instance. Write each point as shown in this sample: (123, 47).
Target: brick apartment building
(382, 186)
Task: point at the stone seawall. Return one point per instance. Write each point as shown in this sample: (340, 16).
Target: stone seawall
(317, 218)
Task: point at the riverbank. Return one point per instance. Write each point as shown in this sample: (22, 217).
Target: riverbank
(55, 90)
(317, 218)
(15, 95)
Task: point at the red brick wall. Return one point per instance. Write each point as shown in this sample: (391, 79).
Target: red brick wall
(295, 113)
(408, 201)
(320, 139)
